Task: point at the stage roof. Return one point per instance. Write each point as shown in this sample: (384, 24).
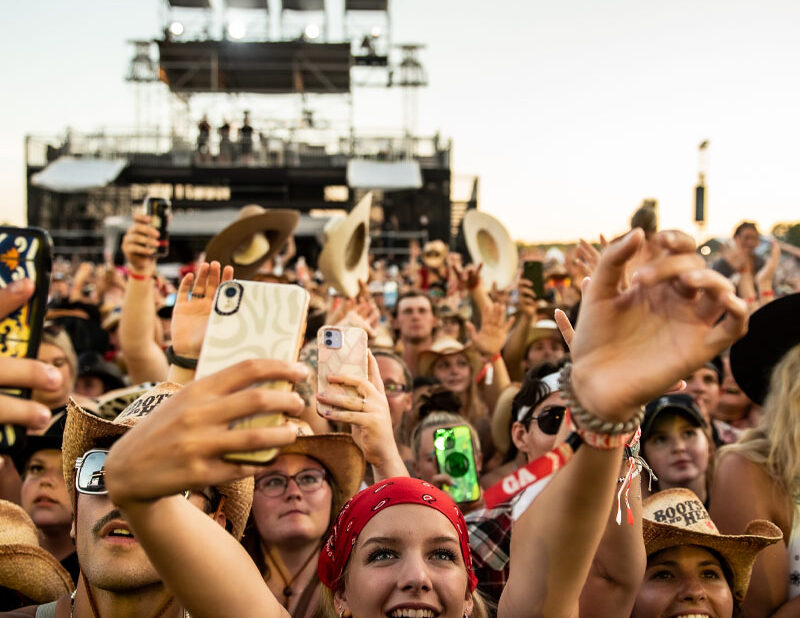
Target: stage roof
(260, 67)
(248, 4)
(190, 4)
(304, 5)
(366, 5)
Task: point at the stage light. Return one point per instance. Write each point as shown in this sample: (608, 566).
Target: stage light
(375, 32)
(176, 28)
(236, 30)
(311, 32)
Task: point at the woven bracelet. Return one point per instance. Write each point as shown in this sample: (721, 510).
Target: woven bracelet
(587, 421)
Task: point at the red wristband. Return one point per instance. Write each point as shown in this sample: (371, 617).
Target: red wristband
(133, 275)
(496, 358)
(603, 441)
(767, 294)
(750, 300)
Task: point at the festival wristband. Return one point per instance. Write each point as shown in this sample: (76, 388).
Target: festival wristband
(180, 361)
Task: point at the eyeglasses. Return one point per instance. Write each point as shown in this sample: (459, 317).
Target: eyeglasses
(394, 390)
(274, 485)
(549, 419)
(91, 475)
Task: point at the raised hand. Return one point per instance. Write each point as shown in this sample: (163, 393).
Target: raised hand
(368, 414)
(140, 244)
(526, 299)
(766, 273)
(495, 325)
(190, 315)
(631, 346)
(469, 277)
(180, 445)
(24, 372)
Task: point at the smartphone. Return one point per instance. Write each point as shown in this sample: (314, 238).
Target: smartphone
(160, 211)
(25, 253)
(341, 350)
(254, 319)
(390, 294)
(456, 458)
(532, 271)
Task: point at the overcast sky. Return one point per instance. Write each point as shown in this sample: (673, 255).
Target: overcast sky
(571, 112)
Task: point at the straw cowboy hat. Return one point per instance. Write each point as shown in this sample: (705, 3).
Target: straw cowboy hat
(344, 257)
(256, 236)
(434, 253)
(85, 431)
(773, 330)
(24, 566)
(447, 346)
(675, 517)
(490, 244)
(337, 452)
(543, 329)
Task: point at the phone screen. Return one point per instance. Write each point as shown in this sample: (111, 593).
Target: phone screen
(455, 456)
(532, 271)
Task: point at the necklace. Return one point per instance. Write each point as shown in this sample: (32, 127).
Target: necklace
(287, 582)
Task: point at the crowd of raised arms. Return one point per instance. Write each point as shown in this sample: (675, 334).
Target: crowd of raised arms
(625, 443)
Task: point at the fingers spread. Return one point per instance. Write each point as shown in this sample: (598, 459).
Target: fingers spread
(185, 286)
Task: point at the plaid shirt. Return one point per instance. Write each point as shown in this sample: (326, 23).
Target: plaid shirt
(490, 544)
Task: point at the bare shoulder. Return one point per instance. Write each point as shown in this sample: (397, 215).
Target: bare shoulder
(742, 491)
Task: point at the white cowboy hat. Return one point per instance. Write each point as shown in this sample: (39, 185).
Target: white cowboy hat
(490, 244)
(343, 260)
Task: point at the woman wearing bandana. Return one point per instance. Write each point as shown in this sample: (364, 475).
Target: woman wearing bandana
(407, 550)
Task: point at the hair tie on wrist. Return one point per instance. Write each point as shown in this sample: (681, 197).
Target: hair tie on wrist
(138, 277)
(767, 294)
(180, 361)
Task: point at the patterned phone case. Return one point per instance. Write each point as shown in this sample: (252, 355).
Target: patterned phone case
(454, 454)
(349, 360)
(269, 321)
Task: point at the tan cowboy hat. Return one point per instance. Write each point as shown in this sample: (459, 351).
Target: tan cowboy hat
(447, 346)
(344, 257)
(24, 565)
(675, 517)
(501, 419)
(542, 330)
(490, 244)
(256, 236)
(85, 431)
(337, 452)
(434, 253)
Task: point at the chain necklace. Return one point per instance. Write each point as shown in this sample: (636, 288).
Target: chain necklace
(287, 583)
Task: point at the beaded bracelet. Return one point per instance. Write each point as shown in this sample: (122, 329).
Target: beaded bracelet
(590, 423)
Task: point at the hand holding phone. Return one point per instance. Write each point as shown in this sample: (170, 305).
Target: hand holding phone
(159, 210)
(25, 263)
(533, 272)
(249, 320)
(342, 351)
(456, 458)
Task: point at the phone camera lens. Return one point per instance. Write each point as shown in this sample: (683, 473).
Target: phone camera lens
(450, 442)
(230, 291)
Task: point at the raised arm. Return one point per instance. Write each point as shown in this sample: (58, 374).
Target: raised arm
(137, 324)
(628, 348)
(179, 446)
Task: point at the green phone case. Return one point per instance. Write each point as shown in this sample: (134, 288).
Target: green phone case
(454, 454)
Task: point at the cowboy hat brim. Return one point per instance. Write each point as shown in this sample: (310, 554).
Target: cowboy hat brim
(499, 269)
(277, 225)
(428, 358)
(33, 572)
(343, 260)
(772, 331)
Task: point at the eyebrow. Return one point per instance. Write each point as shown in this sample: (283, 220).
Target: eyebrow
(390, 540)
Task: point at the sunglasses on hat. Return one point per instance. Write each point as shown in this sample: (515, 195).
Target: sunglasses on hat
(549, 419)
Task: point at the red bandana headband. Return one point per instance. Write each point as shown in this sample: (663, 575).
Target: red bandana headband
(372, 500)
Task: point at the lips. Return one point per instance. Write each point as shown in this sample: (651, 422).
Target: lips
(117, 532)
(412, 611)
(45, 500)
(293, 512)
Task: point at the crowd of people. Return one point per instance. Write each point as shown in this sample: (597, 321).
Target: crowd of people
(634, 434)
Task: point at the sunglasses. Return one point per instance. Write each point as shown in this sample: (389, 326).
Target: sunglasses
(90, 477)
(549, 419)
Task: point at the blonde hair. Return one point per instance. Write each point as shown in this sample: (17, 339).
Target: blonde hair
(61, 340)
(327, 609)
(775, 443)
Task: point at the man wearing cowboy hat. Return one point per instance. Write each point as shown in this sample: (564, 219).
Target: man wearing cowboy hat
(116, 576)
